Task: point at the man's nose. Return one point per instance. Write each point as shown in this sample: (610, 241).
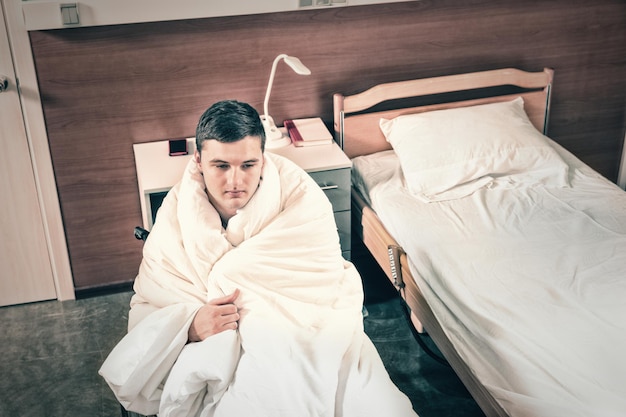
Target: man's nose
(235, 176)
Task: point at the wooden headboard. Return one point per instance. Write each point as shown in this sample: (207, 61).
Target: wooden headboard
(357, 130)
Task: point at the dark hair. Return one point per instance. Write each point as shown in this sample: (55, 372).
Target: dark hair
(229, 121)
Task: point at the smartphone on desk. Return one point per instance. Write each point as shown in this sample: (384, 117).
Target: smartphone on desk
(178, 147)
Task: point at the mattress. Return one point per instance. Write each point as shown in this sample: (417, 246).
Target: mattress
(528, 282)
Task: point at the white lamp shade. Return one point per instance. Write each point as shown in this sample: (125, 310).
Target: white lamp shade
(297, 65)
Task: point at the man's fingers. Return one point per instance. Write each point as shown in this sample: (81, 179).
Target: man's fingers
(214, 317)
(230, 326)
(226, 310)
(227, 320)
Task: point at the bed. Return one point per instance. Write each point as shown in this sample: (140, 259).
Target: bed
(509, 251)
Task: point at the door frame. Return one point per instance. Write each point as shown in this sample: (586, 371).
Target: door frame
(32, 111)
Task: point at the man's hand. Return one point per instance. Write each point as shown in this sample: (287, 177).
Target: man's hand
(214, 317)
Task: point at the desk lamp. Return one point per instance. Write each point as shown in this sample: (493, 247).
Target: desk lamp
(274, 138)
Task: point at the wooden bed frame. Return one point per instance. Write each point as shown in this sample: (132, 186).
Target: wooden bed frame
(356, 128)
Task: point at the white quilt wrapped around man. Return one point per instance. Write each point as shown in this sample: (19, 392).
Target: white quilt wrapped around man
(300, 349)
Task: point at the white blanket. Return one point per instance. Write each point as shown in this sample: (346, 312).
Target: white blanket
(300, 349)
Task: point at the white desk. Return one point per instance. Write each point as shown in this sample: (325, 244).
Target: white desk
(157, 172)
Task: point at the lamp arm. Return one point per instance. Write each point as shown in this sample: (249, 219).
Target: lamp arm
(271, 81)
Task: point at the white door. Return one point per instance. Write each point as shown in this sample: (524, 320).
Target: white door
(25, 269)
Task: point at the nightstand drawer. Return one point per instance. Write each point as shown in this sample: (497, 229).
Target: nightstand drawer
(336, 186)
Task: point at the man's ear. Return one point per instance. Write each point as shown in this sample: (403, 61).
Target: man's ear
(196, 158)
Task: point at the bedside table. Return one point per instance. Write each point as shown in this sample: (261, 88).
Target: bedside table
(330, 168)
(157, 172)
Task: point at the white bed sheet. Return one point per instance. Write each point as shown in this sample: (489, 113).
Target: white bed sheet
(529, 283)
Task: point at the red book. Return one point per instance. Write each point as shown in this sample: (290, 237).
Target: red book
(293, 131)
(308, 132)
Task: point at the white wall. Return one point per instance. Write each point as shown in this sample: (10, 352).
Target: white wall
(46, 14)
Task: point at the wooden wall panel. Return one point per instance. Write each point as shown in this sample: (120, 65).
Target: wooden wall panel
(105, 88)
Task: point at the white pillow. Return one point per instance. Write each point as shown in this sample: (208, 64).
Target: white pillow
(467, 147)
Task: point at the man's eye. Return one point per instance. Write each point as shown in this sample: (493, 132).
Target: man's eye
(246, 166)
(222, 166)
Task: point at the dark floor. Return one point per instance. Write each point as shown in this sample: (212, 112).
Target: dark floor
(51, 352)
(434, 389)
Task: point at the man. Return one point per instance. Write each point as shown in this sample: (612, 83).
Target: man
(232, 173)
(282, 334)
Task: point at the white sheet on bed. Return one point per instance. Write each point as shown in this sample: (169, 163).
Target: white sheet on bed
(528, 282)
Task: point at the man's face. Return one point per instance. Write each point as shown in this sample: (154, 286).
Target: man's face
(232, 172)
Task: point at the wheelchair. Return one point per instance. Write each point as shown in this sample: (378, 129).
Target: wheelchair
(140, 234)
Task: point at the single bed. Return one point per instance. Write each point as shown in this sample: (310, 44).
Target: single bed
(509, 251)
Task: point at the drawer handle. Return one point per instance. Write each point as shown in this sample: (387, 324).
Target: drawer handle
(329, 187)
